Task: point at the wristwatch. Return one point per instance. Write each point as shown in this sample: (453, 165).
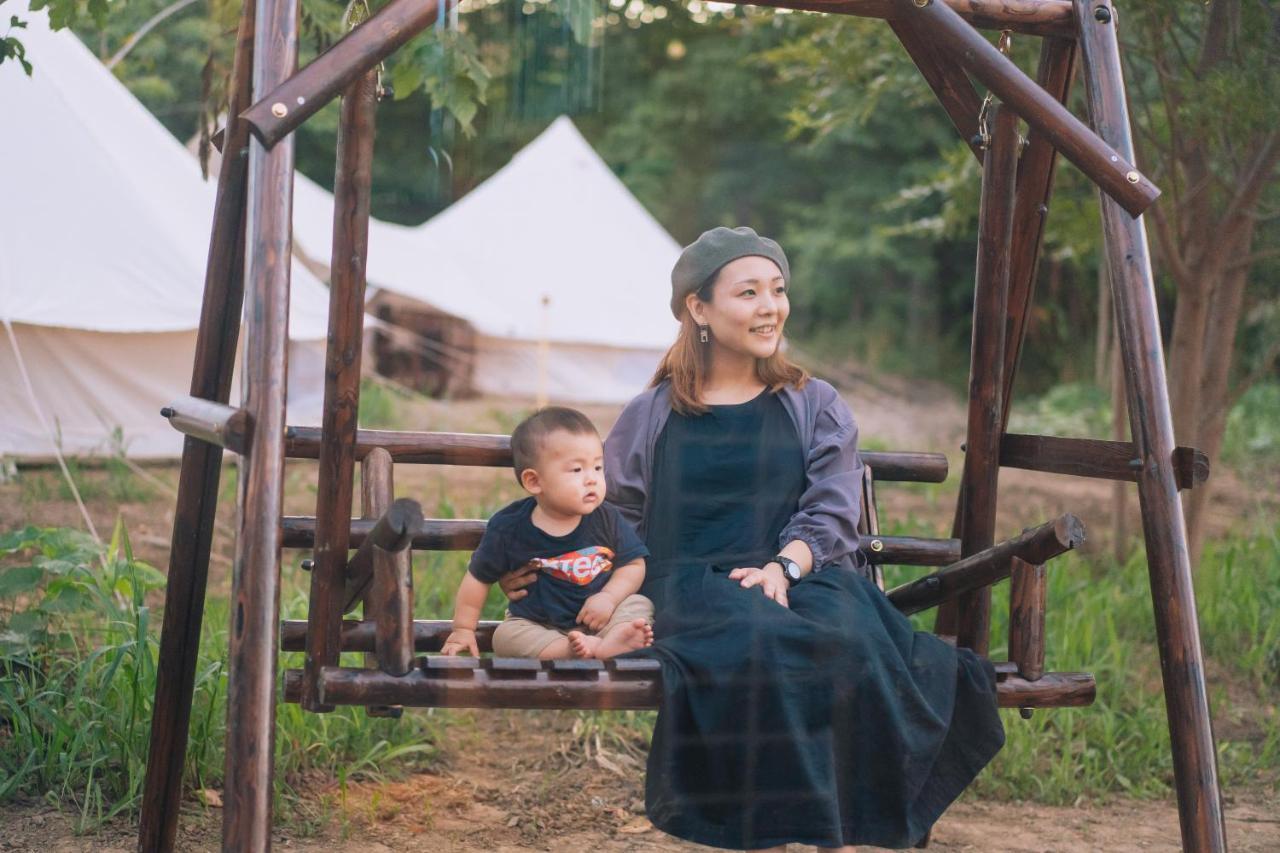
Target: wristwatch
(790, 569)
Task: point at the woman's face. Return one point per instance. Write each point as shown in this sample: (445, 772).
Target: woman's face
(748, 307)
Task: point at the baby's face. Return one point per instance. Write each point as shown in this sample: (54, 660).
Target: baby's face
(570, 473)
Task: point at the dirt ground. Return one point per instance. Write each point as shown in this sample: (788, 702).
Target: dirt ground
(521, 781)
(556, 793)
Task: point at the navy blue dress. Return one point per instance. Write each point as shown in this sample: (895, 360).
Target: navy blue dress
(828, 723)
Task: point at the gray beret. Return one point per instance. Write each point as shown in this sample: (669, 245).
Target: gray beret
(704, 257)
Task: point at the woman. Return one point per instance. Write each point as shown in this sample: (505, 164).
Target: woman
(798, 705)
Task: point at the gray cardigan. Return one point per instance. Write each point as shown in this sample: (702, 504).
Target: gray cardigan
(830, 506)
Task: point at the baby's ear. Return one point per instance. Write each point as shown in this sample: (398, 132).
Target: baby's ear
(529, 479)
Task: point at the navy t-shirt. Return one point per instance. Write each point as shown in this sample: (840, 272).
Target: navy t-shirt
(574, 566)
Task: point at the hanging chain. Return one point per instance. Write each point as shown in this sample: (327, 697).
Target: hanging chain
(357, 12)
(1005, 45)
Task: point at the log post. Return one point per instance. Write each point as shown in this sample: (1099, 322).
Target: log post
(947, 80)
(255, 583)
(1195, 761)
(197, 502)
(1036, 170)
(990, 301)
(337, 439)
(1027, 591)
(377, 486)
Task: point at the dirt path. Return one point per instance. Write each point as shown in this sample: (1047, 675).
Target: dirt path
(535, 781)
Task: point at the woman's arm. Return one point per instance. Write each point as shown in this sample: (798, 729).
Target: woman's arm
(626, 460)
(826, 522)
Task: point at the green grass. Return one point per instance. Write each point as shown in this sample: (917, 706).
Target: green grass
(77, 672)
(1100, 621)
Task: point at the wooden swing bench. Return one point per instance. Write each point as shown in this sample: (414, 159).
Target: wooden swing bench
(378, 577)
(248, 267)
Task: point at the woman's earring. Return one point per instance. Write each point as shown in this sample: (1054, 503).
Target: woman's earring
(702, 333)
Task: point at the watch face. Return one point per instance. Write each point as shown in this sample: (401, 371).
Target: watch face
(790, 569)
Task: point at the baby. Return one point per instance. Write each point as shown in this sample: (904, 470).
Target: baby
(584, 603)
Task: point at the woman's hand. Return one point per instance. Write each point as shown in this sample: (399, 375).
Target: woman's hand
(770, 579)
(513, 585)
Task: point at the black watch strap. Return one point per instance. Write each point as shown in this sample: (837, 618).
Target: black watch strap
(790, 568)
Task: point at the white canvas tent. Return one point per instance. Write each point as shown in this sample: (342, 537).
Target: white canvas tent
(554, 224)
(103, 239)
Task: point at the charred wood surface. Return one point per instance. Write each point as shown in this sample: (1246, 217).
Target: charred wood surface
(291, 102)
(441, 682)
(1036, 169)
(1091, 457)
(1037, 17)
(947, 80)
(255, 580)
(986, 403)
(456, 448)
(463, 534)
(1195, 760)
(215, 423)
(1037, 545)
(393, 533)
(193, 523)
(336, 449)
(1028, 588)
(1106, 167)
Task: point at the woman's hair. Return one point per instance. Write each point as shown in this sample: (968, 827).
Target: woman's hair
(688, 361)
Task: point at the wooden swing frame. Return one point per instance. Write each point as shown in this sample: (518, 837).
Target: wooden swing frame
(250, 244)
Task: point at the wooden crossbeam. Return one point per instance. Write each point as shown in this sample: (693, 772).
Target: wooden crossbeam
(463, 534)
(948, 82)
(1037, 545)
(475, 449)
(1034, 17)
(1092, 457)
(1115, 174)
(215, 423)
(287, 105)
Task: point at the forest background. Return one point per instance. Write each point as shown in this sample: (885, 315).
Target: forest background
(813, 129)
(819, 131)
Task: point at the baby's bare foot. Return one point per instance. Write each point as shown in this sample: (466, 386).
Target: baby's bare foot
(626, 637)
(583, 645)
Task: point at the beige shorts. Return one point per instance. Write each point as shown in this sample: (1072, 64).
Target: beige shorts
(522, 638)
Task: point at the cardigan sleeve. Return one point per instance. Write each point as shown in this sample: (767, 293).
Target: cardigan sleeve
(831, 504)
(627, 463)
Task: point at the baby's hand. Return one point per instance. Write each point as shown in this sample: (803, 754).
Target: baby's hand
(461, 640)
(597, 610)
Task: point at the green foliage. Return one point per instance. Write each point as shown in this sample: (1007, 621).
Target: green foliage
(448, 68)
(77, 677)
(1071, 410)
(1253, 427)
(76, 668)
(379, 407)
(12, 48)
